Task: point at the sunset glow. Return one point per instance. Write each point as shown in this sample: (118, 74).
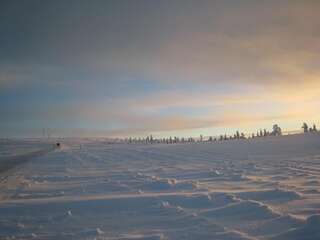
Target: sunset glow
(133, 68)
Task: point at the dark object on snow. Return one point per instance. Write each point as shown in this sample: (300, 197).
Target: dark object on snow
(58, 144)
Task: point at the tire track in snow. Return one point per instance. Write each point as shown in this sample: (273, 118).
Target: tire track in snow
(11, 162)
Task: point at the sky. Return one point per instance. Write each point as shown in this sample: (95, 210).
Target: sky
(115, 68)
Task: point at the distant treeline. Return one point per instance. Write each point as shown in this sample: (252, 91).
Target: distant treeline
(276, 131)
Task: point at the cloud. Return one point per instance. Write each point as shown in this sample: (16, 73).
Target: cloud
(267, 43)
(172, 112)
(135, 68)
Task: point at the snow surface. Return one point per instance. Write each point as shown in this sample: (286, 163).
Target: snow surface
(266, 188)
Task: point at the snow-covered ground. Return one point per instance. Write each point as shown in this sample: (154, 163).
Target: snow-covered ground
(248, 189)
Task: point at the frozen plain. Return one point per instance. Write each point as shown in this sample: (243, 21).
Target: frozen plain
(266, 188)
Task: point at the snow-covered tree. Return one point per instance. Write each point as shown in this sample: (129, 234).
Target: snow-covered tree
(305, 127)
(276, 130)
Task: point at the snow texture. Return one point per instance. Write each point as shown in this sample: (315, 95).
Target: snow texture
(247, 189)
